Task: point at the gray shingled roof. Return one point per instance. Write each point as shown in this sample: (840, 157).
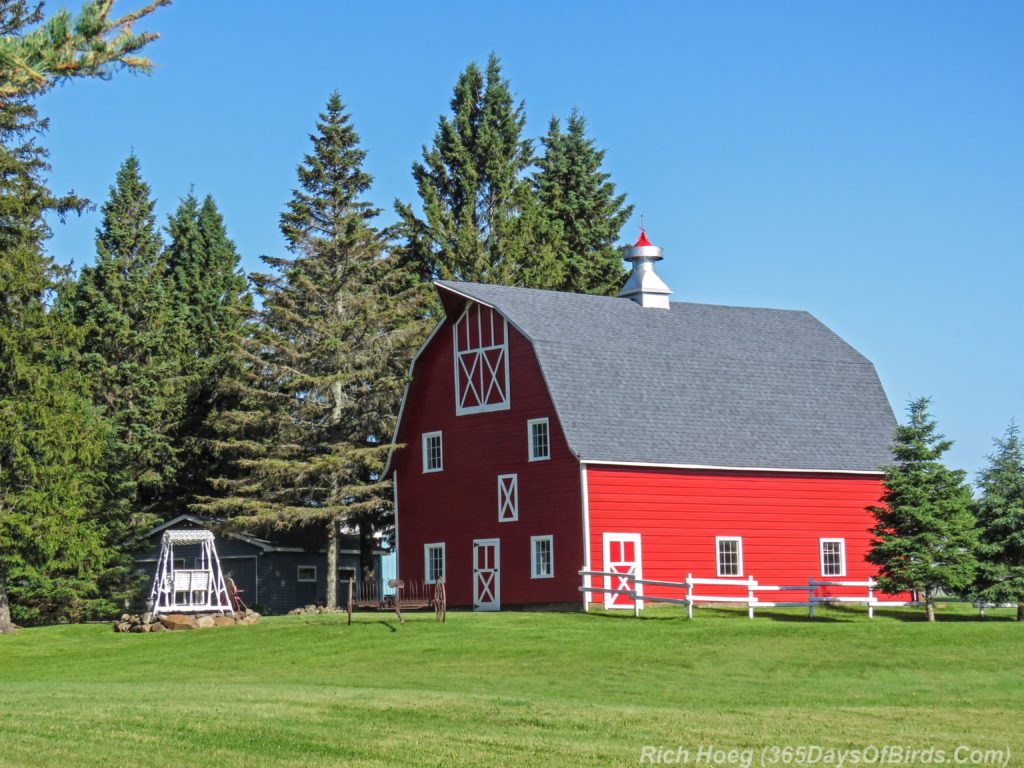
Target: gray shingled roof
(700, 384)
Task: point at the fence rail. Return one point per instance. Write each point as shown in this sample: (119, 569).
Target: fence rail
(632, 589)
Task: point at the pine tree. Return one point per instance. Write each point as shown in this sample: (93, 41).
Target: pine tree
(925, 533)
(210, 302)
(65, 46)
(584, 215)
(50, 436)
(481, 220)
(1000, 513)
(327, 360)
(121, 303)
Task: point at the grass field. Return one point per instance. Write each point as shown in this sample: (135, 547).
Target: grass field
(508, 689)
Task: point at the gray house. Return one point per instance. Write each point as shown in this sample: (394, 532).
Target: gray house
(274, 575)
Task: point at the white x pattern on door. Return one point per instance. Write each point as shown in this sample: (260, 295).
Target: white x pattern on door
(486, 575)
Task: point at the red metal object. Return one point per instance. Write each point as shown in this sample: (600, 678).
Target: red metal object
(642, 240)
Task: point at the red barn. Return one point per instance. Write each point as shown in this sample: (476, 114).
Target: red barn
(544, 432)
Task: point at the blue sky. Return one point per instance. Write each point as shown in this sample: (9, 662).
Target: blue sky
(862, 161)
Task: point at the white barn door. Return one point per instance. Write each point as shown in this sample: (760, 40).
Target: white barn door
(622, 555)
(486, 575)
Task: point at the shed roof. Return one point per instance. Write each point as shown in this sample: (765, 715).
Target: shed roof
(699, 384)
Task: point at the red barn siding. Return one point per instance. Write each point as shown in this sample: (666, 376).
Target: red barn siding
(460, 503)
(780, 517)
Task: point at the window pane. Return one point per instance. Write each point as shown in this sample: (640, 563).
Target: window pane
(832, 558)
(540, 444)
(728, 557)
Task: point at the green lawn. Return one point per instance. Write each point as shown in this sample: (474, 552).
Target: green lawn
(507, 689)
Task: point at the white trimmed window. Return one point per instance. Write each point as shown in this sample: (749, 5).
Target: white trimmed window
(481, 361)
(305, 573)
(433, 455)
(542, 557)
(730, 555)
(433, 562)
(508, 498)
(833, 557)
(538, 435)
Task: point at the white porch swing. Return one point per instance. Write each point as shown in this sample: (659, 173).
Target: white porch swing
(189, 590)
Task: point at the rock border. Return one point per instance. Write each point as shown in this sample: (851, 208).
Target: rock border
(176, 622)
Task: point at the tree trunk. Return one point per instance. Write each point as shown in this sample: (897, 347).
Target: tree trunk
(929, 607)
(366, 560)
(1020, 611)
(332, 564)
(6, 625)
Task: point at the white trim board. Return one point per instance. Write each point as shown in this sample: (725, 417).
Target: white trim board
(601, 462)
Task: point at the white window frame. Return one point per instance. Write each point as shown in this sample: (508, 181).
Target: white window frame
(427, 436)
(739, 557)
(459, 366)
(529, 438)
(508, 498)
(842, 556)
(534, 541)
(307, 580)
(427, 548)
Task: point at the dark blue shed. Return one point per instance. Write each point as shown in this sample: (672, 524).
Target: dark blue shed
(274, 576)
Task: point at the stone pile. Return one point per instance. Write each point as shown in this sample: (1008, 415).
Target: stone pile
(147, 622)
(311, 610)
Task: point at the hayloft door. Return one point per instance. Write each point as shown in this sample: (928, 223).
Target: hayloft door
(622, 556)
(486, 575)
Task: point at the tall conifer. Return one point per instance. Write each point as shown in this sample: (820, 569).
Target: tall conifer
(210, 303)
(122, 305)
(1000, 512)
(583, 213)
(327, 360)
(924, 533)
(50, 436)
(481, 221)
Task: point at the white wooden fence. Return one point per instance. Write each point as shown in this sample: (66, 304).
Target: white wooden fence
(628, 586)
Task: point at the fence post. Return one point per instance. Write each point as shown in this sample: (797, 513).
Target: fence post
(750, 596)
(689, 595)
(810, 597)
(636, 603)
(871, 598)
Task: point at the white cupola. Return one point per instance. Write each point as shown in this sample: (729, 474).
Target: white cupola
(644, 286)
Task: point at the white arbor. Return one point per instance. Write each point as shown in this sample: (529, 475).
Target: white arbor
(189, 590)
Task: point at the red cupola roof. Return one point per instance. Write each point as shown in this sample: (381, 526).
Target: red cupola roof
(642, 240)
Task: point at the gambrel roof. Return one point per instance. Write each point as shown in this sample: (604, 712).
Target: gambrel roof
(699, 384)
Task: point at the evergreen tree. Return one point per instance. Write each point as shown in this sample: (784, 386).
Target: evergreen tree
(210, 302)
(50, 436)
(582, 211)
(925, 534)
(66, 46)
(1000, 512)
(326, 363)
(481, 219)
(129, 348)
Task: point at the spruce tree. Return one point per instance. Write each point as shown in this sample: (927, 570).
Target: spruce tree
(35, 54)
(326, 363)
(50, 436)
(210, 303)
(481, 221)
(1000, 513)
(129, 349)
(925, 532)
(583, 214)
